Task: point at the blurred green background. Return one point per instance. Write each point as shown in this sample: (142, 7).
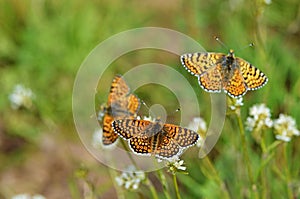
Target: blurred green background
(43, 43)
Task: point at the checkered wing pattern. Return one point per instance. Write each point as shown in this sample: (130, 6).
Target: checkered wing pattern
(181, 136)
(129, 128)
(119, 89)
(155, 138)
(198, 63)
(141, 145)
(211, 80)
(121, 104)
(108, 136)
(236, 86)
(253, 77)
(133, 104)
(217, 72)
(167, 148)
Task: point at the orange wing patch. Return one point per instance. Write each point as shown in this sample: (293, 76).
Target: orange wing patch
(121, 104)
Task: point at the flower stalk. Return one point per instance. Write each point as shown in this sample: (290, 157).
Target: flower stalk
(246, 155)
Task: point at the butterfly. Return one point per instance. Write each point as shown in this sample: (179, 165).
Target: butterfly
(155, 138)
(218, 71)
(120, 104)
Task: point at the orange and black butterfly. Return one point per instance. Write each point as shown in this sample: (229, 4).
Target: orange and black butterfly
(218, 71)
(155, 138)
(121, 104)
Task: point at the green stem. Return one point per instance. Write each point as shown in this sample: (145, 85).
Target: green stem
(287, 172)
(120, 192)
(274, 145)
(152, 188)
(176, 187)
(164, 183)
(246, 155)
(263, 170)
(216, 177)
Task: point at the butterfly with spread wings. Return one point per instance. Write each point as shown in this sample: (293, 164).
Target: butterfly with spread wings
(121, 104)
(155, 138)
(218, 71)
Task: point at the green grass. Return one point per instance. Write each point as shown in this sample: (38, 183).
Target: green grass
(43, 43)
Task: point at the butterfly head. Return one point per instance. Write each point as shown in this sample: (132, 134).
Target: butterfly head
(231, 53)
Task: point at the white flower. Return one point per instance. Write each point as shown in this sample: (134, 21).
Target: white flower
(38, 197)
(283, 137)
(131, 178)
(21, 196)
(175, 164)
(198, 124)
(27, 196)
(285, 128)
(268, 2)
(21, 97)
(259, 117)
(236, 103)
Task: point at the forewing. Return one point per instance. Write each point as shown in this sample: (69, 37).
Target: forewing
(108, 135)
(133, 105)
(118, 90)
(253, 77)
(198, 63)
(211, 80)
(236, 86)
(181, 136)
(130, 128)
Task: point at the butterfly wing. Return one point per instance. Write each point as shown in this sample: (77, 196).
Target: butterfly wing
(120, 105)
(253, 77)
(118, 90)
(141, 145)
(198, 63)
(166, 147)
(130, 128)
(133, 104)
(211, 80)
(236, 86)
(181, 136)
(108, 136)
(159, 145)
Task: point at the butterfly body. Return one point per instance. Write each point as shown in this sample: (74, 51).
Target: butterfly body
(218, 71)
(155, 138)
(121, 104)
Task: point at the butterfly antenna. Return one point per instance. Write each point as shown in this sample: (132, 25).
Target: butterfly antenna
(174, 112)
(221, 43)
(148, 108)
(247, 46)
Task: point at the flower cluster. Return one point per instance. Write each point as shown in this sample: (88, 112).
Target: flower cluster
(235, 103)
(285, 128)
(27, 196)
(131, 178)
(21, 97)
(176, 165)
(260, 117)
